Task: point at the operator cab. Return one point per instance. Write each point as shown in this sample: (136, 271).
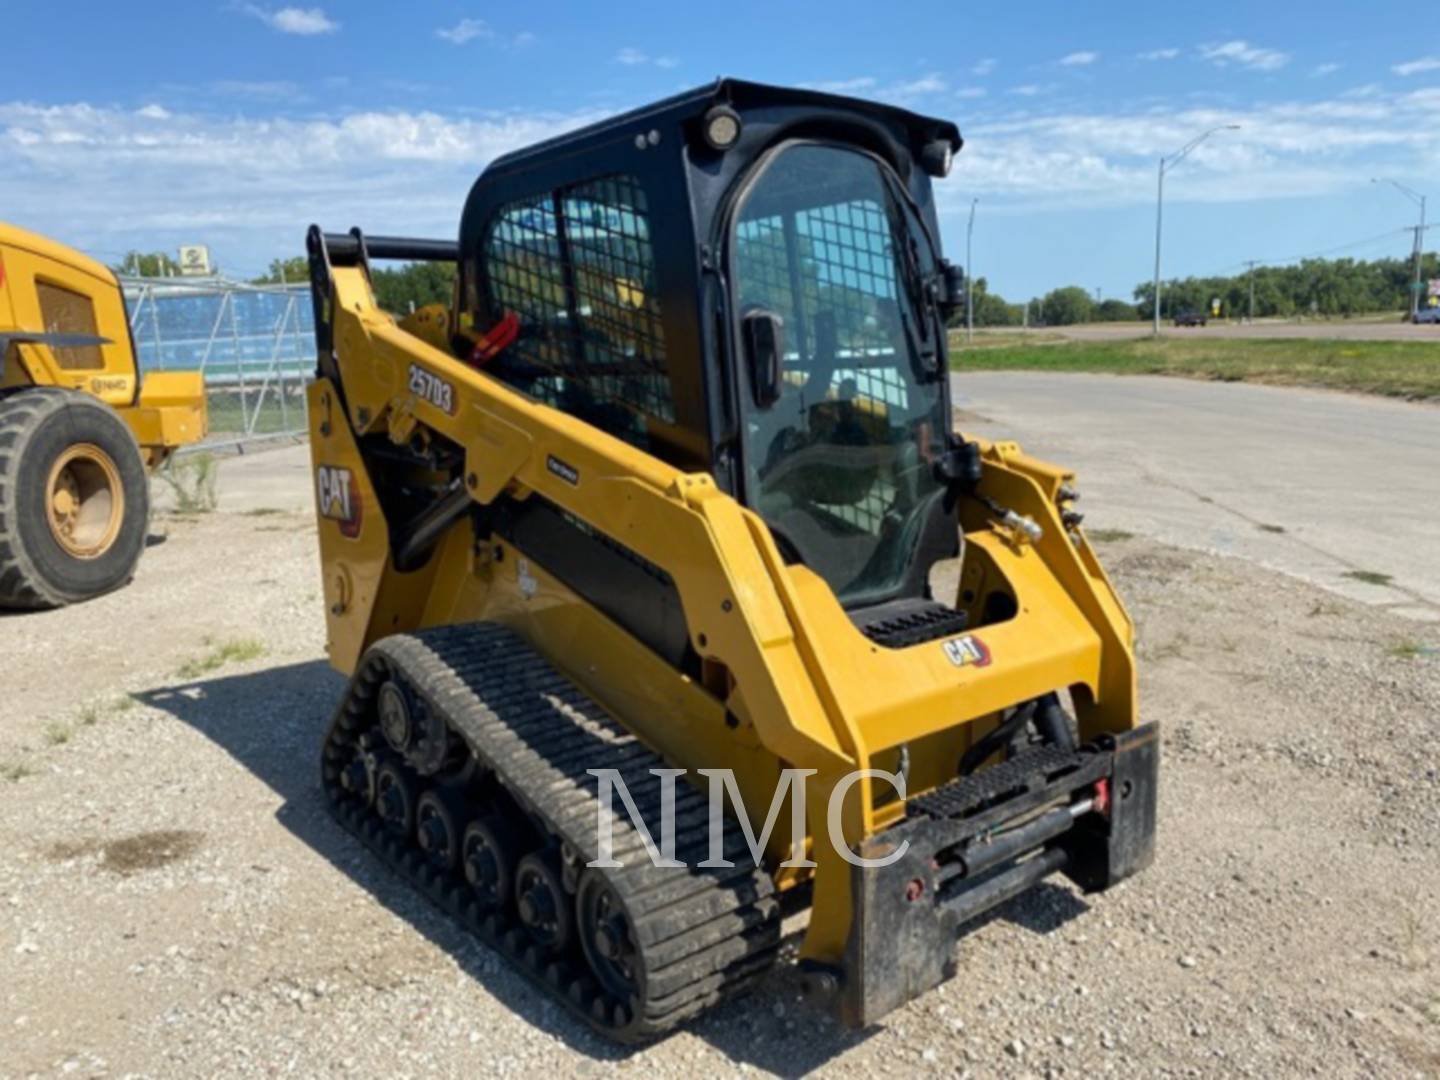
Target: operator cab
(743, 280)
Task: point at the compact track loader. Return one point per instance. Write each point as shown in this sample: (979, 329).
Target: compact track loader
(78, 426)
(632, 551)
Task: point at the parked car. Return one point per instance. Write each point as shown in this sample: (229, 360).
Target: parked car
(1426, 315)
(1191, 318)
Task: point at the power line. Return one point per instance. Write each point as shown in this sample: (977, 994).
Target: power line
(1321, 254)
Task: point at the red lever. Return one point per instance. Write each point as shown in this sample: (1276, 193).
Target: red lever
(498, 338)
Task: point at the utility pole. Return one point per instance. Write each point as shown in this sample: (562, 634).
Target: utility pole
(1419, 230)
(970, 277)
(1166, 164)
(1251, 272)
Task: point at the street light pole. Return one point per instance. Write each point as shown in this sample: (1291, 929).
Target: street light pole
(970, 277)
(1419, 257)
(1166, 164)
(1415, 197)
(1159, 206)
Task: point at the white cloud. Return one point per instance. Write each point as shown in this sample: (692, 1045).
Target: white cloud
(1416, 67)
(1245, 55)
(1050, 158)
(465, 30)
(1082, 58)
(154, 112)
(1319, 71)
(845, 86)
(926, 84)
(905, 92)
(1027, 90)
(261, 90)
(294, 20)
(632, 57)
(985, 67)
(970, 92)
(1158, 54)
(248, 186)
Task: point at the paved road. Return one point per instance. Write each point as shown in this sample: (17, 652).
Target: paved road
(1313, 483)
(1310, 482)
(1389, 330)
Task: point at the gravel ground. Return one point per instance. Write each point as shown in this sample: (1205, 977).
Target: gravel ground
(174, 901)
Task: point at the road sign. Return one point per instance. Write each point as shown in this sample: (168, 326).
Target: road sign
(1433, 287)
(195, 260)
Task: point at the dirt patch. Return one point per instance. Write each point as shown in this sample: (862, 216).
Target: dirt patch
(132, 854)
(1286, 928)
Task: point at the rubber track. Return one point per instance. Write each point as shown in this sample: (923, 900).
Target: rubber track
(703, 933)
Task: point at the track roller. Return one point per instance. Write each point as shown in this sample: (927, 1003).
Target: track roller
(395, 798)
(540, 898)
(437, 830)
(607, 935)
(488, 858)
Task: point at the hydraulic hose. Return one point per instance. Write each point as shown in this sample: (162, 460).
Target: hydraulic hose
(997, 738)
(1052, 722)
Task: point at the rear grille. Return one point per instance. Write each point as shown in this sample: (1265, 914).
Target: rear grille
(1031, 770)
(909, 622)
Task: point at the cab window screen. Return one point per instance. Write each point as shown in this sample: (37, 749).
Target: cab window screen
(67, 312)
(578, 269)
(840, 465)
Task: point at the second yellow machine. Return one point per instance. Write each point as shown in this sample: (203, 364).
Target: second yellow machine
(671, 492)
(79, 426)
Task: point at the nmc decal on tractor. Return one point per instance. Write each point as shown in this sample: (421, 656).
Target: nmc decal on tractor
(664, 489)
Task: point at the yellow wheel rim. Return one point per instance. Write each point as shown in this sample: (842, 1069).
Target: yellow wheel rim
(85, 501)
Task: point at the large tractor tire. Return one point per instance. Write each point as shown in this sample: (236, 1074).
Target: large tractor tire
(74, 499)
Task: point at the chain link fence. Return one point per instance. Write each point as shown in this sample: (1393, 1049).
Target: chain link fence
(255, 345)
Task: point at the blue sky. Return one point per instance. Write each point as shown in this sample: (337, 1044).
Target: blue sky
(236, 124)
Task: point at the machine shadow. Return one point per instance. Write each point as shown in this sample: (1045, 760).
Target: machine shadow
(272, 723)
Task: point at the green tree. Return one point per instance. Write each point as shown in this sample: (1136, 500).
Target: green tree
(1333, 287)
(1113, 310)
(291, 271)
(990, 308)
(1066, 306)
(147, 264)
(401, 290)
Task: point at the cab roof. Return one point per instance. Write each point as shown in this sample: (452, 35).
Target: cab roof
(741, 96)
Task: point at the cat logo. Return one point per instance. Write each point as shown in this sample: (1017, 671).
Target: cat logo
(967, 650)
(432, 388)
(337, 498)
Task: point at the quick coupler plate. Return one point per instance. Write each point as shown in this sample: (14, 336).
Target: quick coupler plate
(981, 840)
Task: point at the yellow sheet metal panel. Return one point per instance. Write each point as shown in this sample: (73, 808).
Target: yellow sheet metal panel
(659, 511)
(53, 288)
(354, 537)
(12, 236)
(171, 413)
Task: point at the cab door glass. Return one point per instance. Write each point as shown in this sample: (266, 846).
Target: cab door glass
(840, 465)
